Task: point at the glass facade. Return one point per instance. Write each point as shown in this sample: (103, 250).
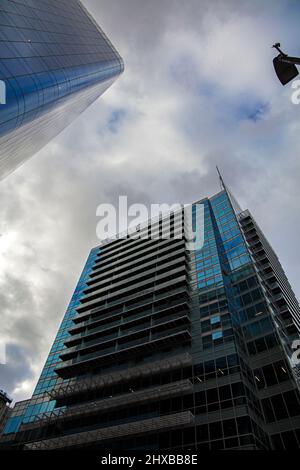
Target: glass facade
(40, 402)
(5, 409)
(163, 348)
(54, 62)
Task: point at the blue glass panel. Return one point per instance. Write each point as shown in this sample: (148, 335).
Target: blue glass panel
(13, 425)
(215, 320)
(54, 66)
(217, 335)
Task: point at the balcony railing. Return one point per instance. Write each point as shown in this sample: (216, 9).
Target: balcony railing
(86, 318)
(120, 289)
(149, 265)
(154, 425)
(174, 307)
(152, 257)
(97, 382)
(75, 366)
(120, 336)
(130, 276)
(122, 297)
(108, 404)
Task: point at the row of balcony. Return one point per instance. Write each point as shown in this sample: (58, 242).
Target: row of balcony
(173, 220)
(130, 323)
(150, 247)
(130, 275)
(97, 407)
(136, 299)
(129, 337)
(77, 386)
(75, 366)
(154, 425)
(273, 278)
(120, 289)
(137, 245)
(151, 303)
(153, 258)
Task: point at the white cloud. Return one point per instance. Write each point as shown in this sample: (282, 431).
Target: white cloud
(178, 110)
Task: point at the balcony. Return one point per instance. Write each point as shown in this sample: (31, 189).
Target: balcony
(136, 283)
(140, 245)
(128, 277)
(138, 290)
(266, 276)
(118, 248)
(75, 366)
(261, 258)
(154, 425)
(77, 386)
(106, 301)
(134, 268)
(133, 324)
(256, 251)
(86, 318)
(148, 259)
(109, 404)
(153, 248)
(277, 297)
(114, 342)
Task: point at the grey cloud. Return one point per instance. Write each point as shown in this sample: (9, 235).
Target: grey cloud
(17, 369)
(181, 120)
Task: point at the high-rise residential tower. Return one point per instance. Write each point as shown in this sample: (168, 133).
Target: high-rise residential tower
(167, 348)
(5, 409)
(54, 62)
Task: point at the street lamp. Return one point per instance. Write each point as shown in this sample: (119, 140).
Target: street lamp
(284, 66)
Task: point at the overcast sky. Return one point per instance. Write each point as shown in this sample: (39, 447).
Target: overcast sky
(198, 91)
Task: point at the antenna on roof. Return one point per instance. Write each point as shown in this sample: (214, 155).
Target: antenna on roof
(222, 184)
(234, 203)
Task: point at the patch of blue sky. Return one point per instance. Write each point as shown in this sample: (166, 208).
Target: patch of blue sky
(252, 110)
(116, 119)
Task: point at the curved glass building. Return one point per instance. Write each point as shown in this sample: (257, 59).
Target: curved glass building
(54, 62)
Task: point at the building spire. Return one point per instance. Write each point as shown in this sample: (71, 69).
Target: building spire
(223, 186)
(237, 208)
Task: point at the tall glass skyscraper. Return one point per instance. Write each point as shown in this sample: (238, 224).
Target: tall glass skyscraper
(163, 348)
(54, 62)
(5, 409)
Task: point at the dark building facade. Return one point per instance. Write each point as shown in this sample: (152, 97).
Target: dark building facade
(163, 348)
(54, 62)
(5, 409)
